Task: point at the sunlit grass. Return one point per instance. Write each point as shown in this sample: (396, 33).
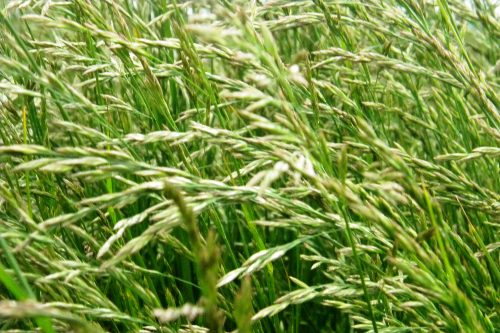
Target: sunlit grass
(288, 166)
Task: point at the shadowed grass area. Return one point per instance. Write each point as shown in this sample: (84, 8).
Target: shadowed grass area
(212, 166)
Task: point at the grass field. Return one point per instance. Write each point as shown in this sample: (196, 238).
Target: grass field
(212, 166)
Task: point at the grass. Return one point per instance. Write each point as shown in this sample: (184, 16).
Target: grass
(288, 166)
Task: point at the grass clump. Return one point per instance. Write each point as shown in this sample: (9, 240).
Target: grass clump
(287, 166)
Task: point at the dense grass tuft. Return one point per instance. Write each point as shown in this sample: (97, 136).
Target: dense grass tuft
(287, 166)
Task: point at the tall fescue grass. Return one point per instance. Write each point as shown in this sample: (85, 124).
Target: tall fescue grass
(287, 166)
